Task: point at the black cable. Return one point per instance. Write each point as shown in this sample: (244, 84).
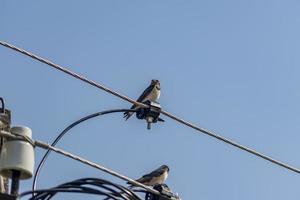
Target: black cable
(79, 184)
(42, 162)
(49, 193)
(121, 188)
(93, 186)
(102, 183)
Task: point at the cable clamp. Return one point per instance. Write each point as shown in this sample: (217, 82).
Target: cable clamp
(150, 114)
(165, 193)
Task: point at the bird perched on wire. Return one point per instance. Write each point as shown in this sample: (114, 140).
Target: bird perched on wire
(151, 93)
(155, 177)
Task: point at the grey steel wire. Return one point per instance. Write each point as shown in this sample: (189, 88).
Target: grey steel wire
(202, 130)
(207, 132)
(46, 146)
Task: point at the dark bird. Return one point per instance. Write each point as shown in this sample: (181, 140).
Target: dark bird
(151, 93)
(155, 177)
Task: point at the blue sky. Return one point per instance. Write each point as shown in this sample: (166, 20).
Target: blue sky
(229, 66)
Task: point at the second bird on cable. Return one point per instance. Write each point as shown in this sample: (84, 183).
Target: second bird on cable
(155, 177)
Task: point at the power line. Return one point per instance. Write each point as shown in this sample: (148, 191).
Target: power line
(75, 157)
(93, 83)
(207, 132)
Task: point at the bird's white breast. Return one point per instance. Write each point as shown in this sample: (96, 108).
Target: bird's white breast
(154, 95)
(165, 176)
(158, 180)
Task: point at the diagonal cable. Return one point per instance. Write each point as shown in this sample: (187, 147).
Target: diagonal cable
(182, 121)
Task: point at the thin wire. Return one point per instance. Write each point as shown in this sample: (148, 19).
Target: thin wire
(56, 140)
(93, 83)
(46, 146)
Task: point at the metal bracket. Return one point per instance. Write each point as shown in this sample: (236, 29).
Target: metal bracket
(165, 193)
(150, 114)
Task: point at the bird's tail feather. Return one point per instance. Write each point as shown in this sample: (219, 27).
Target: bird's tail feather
(127, 115)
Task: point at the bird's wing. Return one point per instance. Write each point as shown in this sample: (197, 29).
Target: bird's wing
(155, 173)
(144, 179)
(128, 114)
(146, 92)
(148, 177)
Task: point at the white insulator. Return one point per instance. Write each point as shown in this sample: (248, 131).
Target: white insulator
(17, 155)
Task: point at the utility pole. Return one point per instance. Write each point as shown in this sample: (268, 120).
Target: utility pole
(16, 156)
(5, 121)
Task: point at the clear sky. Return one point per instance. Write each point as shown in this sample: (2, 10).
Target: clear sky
(229, 66)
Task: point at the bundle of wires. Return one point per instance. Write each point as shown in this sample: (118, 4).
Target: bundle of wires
(95, 186)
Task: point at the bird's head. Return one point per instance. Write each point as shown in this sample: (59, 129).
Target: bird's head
(165, 167)
(156, 83)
